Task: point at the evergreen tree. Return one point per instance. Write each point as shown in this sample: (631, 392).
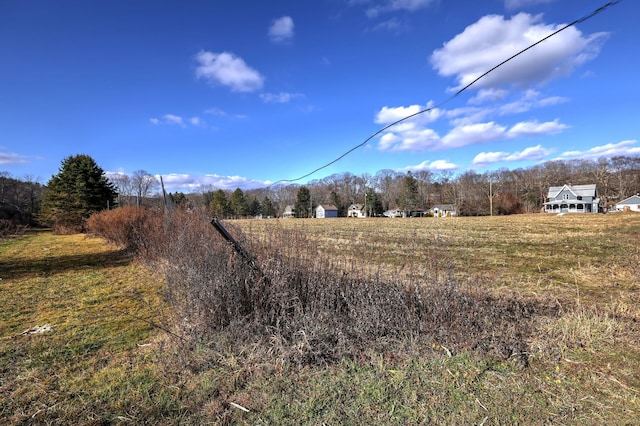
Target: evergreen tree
(303, 202)
(219, 204)
(255, 208)
(238, 203)
(373, 203)
(267, 208)
(334, 198)
(408, 199)
(79, 189)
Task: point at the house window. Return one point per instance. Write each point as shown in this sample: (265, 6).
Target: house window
(565, 196)
(579, 197)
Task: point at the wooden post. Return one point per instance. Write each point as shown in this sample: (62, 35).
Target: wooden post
(236, 245)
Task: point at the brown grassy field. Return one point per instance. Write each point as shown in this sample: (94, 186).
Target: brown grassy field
(107, 359)
(595, 257)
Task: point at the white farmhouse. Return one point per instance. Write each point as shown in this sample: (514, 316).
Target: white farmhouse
(356, 210)
(632, 203)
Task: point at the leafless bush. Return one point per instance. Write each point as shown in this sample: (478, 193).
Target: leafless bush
(9, 228)
(308, 308)
(313, 309)
(127, 227)
(67, 229)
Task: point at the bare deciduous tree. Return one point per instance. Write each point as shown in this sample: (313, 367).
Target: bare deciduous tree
(143, 183)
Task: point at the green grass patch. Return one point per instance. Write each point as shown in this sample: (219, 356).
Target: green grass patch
(75, 289)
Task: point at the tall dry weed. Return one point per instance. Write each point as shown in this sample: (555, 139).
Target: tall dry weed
(9, 228)
(307, 308)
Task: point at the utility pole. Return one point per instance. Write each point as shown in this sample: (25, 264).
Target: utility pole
(365, 202)
(491, 195)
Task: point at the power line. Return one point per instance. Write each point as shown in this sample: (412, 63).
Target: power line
(456, 94)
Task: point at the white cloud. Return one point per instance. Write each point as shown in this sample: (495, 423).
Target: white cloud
(414, 140)
(216, 111)
(520, 4)
(437, 165)
(279, 98)
(530, 100)
(469, 115)
(221, 113)
(7, 158)
(172, 119)
(396, 5)
(488, 95)
(197, 121)
(417, 138)
(609, 150)
(191, 183)
(281, 30)
(533, 128)
(489, 157)
(533, 153)
(473, 133)
(392, 25)
(183, 182)
(388, 115)
(493, 39)
(228, 70)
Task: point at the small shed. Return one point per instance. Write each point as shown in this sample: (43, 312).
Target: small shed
(632, 203)
(326, 211)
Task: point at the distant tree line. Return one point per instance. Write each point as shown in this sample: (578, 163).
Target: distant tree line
(20, 199)
(499, 192)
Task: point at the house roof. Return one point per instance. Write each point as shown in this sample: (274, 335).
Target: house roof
(449, 207)
(328, 207)
(577, 190)
(634, 199)
(355, 207)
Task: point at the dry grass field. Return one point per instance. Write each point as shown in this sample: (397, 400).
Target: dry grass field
(107, 360)
(595, 257)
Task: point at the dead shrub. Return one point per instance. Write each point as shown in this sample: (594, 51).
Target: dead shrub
(312, 309)
(9, 228)
(127, 227)
(67, 228)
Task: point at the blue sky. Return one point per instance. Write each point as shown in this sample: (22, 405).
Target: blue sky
(245, 93)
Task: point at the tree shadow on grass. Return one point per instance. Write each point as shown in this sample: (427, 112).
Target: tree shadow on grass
(49, 264)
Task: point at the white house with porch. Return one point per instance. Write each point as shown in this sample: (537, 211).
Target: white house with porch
(572, 199)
